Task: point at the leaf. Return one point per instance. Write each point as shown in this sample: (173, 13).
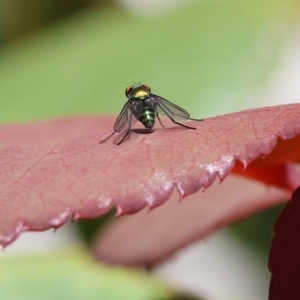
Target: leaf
(52, 171)
(147, 239)
(284, 260)
(74, 275)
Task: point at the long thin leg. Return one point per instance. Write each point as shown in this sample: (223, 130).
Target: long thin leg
(159, 120)
(182, 124)
(107, 138)
(127, 133)
(167, 114)
(124, 137)
(196, 119)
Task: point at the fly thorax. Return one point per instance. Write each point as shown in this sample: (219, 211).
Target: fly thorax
(140, 93)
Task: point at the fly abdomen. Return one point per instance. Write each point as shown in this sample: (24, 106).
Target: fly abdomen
(147, 117)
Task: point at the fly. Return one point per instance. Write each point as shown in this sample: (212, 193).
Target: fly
(144, 106)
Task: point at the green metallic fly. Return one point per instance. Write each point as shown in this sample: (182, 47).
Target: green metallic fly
(144, 106)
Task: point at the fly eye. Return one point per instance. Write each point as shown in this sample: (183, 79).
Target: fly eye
(147, 87)
(127, 91)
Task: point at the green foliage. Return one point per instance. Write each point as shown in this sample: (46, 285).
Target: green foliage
(74, 275)
(208, 56)
(89, 228)
(258, 229)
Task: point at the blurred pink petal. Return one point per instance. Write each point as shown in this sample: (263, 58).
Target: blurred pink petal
(147, 238)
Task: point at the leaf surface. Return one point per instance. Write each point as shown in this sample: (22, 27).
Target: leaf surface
(52, 171)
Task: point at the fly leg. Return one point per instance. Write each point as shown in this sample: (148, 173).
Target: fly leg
(188, 127)
(196, 119)
(159, 120)
(168, 114)
(107, 138)
(124, 137)
(127, 132)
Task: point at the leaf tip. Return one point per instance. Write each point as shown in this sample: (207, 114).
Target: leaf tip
(119, 211)
(61, 219)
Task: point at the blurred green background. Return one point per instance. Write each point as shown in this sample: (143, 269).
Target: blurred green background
(208, 56)
(61, 58)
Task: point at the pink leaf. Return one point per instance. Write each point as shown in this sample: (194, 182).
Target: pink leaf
(284, 260)
(51, 171)
(146, 239)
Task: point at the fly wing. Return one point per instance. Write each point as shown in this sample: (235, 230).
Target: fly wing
(128, 116)
(136, 108)
(167, 108)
